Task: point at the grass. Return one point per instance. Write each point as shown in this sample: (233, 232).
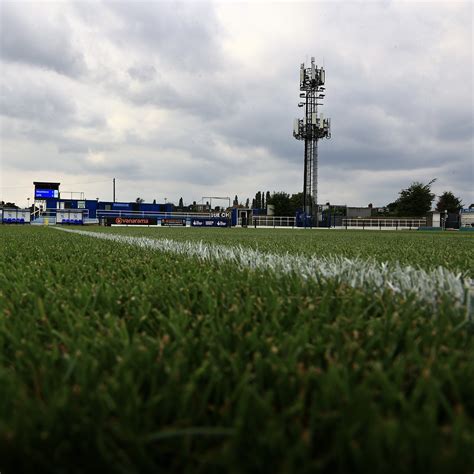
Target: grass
(120, 359)
(428, 250)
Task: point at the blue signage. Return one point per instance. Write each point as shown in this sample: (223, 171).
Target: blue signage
(209, 222)
(46, 193)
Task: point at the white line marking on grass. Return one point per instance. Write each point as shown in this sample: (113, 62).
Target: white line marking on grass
(370, 275)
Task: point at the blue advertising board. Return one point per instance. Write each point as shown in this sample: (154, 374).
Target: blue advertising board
(46, 193)
(211, 222)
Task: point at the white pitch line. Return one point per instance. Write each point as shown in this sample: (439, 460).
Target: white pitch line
(370, 275)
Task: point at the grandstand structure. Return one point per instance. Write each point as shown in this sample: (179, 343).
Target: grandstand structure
(53, 207)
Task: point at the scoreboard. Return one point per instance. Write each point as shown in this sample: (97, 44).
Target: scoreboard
(46, 193)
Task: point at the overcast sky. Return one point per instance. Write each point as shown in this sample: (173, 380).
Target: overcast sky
(198, 99)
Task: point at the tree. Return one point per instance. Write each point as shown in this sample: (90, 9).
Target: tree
(236, 200)
(268, 198)
(296, 201)
(254, 203)
(139, 200)
(258, 200)
(415, 201)
(448, 202)
(263, 200)
(391, 208)
(281, 204)
(181, 204)
(8, 205)
(247, 202)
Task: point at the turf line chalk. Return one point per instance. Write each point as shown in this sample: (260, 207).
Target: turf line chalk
(426, 285)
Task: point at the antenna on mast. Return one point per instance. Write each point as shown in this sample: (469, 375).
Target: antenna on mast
(310, 129)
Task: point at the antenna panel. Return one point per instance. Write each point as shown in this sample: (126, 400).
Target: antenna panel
(322, 76)
(296, 126)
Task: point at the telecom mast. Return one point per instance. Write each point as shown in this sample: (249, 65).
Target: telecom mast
(310, 129)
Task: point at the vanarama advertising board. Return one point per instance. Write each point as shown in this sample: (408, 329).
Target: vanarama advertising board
(131, 221)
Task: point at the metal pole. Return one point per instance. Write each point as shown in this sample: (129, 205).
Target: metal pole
(114, 190)
(312, 128)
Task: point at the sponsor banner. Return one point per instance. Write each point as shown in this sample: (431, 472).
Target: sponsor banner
(172, 222)
(209, 222)
(131, 221)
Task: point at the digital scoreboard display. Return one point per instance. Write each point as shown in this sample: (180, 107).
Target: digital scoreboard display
(46, 193)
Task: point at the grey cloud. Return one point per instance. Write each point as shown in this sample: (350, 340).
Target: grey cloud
(142, 73)
(39, 40)
(206, 98)
(36, 103)
(50, 134)
(392, 107)
(187, 36)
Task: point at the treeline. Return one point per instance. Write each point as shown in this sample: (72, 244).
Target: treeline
(283, 203)
(417, 201)
(414, 201)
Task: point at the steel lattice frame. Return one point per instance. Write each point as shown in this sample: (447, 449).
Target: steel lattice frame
(311, 129)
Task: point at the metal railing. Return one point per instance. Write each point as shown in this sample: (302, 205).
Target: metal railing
(269, 221)
(402, 223)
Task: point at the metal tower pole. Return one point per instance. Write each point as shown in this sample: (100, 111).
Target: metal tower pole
(311, 129)
(315, 184)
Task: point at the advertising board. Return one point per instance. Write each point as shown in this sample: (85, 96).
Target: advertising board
(131, 221)
(173, 222)
(211, 222)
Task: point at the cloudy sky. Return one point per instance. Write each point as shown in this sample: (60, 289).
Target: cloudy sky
(198, 99)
